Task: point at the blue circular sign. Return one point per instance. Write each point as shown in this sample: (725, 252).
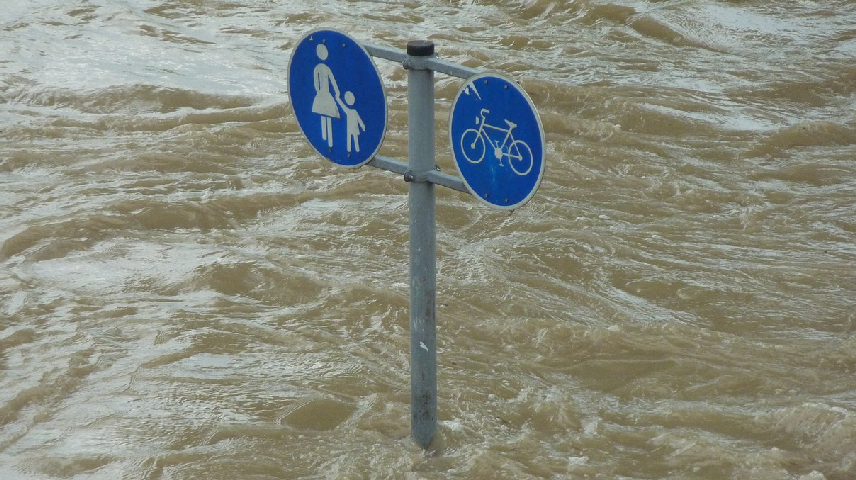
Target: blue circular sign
(497, 141)
(338, 97)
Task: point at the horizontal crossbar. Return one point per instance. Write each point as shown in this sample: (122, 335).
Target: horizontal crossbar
(420, 63)
(433, 176)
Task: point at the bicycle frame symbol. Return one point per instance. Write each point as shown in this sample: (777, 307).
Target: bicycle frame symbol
(474, 144)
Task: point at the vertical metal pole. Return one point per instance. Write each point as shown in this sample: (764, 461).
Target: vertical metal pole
(423, 248)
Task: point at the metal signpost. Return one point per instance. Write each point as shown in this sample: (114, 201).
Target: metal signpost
(498, 145)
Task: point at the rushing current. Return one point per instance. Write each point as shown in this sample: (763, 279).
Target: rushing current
(189, 291)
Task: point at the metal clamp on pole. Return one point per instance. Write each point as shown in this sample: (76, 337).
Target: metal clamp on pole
(410, 176)
(423, 245)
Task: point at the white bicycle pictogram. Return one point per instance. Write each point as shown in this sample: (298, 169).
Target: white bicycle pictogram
(474, 144)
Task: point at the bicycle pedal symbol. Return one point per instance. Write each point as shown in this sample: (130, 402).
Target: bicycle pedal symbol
(475, 143)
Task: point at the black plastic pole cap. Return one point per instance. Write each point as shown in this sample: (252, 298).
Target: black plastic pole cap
(420, 48)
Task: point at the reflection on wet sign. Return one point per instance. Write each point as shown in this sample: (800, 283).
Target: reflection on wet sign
(338, 97)
(497, 141)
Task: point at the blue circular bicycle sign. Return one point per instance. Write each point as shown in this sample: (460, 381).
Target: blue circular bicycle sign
(497, 141)
(338, 97)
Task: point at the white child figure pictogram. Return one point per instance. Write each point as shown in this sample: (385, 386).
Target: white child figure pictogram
(354, 122)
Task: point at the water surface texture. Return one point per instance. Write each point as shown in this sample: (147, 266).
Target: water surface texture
(187, 291)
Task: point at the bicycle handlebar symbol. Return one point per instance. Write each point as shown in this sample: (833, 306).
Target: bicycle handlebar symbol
(474, 144)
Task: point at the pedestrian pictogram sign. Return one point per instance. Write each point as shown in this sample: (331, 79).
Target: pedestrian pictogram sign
(497, 141)
(338, 97)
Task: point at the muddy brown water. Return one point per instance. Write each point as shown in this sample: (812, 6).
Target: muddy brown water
(187, 291)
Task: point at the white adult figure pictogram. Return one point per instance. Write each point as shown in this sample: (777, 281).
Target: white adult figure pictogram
(325, 103)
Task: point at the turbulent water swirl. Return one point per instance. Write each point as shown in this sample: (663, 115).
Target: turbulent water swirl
(187, 291)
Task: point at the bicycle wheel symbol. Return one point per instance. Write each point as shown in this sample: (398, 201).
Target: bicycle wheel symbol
(472, 145)
(520, 157)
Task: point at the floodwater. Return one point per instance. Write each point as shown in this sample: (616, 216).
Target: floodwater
(188, 291)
